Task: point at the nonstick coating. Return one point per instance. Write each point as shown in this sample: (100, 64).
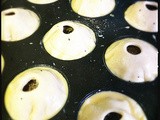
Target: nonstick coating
(87, 75)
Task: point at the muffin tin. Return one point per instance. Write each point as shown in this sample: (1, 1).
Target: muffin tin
(87, 75)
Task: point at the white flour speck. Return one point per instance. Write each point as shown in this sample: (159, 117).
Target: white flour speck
(127, 27)
(154, 37)
(54, 64)
(112, 15)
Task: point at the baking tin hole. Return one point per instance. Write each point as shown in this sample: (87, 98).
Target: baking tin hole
(133, 49)
(10, 13)
(31, 85)
(67, 29)
(113, 116)
(151, 7)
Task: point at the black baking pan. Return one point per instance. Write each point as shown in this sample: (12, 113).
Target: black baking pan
(85, 75)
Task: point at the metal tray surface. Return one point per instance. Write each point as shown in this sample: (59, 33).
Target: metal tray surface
(87, 75)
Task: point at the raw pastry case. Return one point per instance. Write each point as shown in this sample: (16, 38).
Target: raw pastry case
(87, 75)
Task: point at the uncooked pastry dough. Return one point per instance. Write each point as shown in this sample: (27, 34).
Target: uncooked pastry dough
(93, 8)
(132, 60)
(99, 105)
(68, 40)
(38, 93)
(143, 15)
(2, 63)
(18, 24)
(42, 1)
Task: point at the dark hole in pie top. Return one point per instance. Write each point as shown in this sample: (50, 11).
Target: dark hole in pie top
(31, 85)
(67, 29)
(133, 49)
(113, 116)
(151, 7)
(10, 13)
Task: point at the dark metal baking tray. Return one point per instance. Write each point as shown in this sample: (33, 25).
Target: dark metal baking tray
(84, 75)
